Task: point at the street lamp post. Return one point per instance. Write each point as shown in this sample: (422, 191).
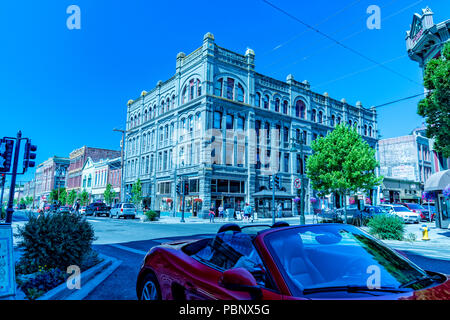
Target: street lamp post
(122, 190)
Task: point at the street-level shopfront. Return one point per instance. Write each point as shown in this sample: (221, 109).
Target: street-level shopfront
(264, 203)
(436, 184)
(230, 194)
(399, 190)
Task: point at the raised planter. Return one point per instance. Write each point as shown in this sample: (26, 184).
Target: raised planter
(90, 279)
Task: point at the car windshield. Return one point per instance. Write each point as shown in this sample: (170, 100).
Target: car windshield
(330, 256)
(401, 209)
(380, 210)
(128, 206)
(415, 206)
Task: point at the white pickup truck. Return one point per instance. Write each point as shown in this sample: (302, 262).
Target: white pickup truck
(122, 209)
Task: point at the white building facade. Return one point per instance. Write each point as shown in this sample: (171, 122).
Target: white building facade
(224, 128)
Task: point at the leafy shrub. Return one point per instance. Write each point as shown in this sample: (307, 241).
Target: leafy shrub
(37, 284)
(411, 237)
(386, 227)
(151, 215)
(54, 240)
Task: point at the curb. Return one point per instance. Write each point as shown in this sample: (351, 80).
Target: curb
(90, 279)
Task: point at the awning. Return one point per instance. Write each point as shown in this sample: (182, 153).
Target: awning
(268, 194)
(438, 181)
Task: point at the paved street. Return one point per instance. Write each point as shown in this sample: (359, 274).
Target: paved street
(129, 240)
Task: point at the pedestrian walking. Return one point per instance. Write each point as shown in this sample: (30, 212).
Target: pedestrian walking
(211, 215)
(248, 213)
(280, 210)
(77, 206)
(221, 212)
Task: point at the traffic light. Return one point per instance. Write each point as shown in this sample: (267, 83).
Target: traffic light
(29, 155)
(277, 181)
(6, 152)
(178, 188)
(186, 188)
(270, 182)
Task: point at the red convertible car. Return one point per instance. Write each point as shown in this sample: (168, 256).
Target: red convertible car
(282, 262)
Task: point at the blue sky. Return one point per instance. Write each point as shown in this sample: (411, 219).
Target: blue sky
(68, 88)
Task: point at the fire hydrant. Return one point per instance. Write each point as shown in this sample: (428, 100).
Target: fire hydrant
(425, 232)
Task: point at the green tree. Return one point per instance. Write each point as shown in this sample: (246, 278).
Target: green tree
(53, 195)
(435, 108)
(63, 196)
(71, 197)
(84, 197)
(136, 193)
(109, 194)
(342, 162)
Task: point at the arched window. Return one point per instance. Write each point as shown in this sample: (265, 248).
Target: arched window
(338, 120)
(313, 115)
(217, 121)
(199, 88)
(218, 87)
(198, 121)
(131, 122)
(350, 123)
(191, 124)
(266, 102)
(370, 131)
(162, 106)
(300, 109)
(365, 129)
(320, 118)
(240, 93)
(285, 107)
(230, 89)
(258, 99)
(277, 105)
(173, 101)
(184, 95)
(168, 104)
(333, 121)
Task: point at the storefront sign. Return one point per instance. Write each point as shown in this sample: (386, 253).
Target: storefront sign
(7, 274)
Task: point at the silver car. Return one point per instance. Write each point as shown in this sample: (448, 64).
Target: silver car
(125, 210)
(403, 212)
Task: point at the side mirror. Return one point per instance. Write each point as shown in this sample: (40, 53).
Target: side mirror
(240, 279)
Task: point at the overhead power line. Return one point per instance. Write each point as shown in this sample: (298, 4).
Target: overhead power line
(339, 43)
(402, 99)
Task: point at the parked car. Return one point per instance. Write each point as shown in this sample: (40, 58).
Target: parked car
(353, 215)
(64, 209)
(53, 208)
(403, 212)
(282, 262)
(125, 210)
(82, 210)
(97, 209)
(371, 211)
(417, 208)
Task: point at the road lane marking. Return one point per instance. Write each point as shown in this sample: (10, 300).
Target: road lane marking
(118, 246)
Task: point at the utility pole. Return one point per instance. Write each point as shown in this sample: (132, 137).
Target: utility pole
(183, 193)
(10, 210)
(2, 183)
(299, 141)
(273, 199)
(122, 190)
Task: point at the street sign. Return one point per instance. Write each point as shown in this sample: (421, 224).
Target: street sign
(297, 183)
(7, 273)
(6, 152)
